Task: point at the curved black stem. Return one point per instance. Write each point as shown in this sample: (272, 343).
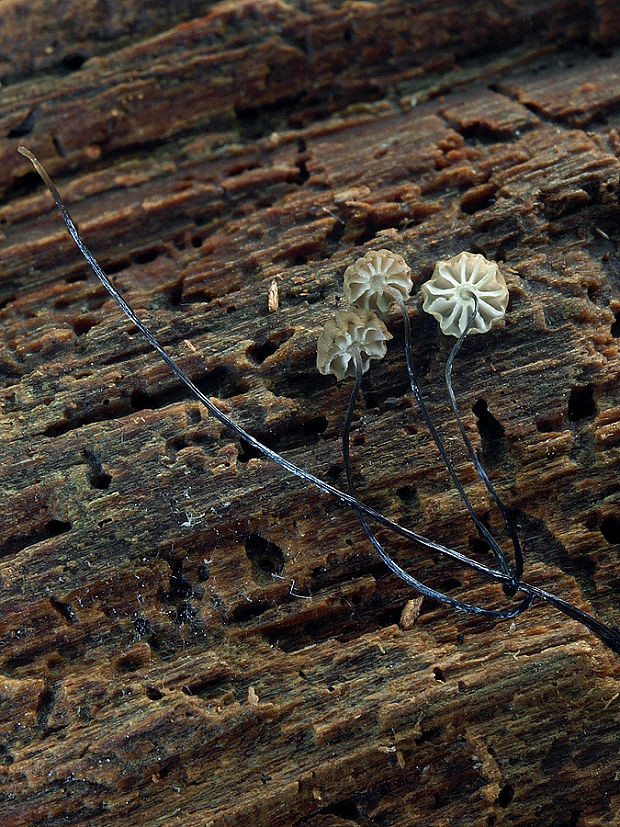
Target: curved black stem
(484, 531)
(306, 476)
(508, 522)
(427, 591)
(608, 635)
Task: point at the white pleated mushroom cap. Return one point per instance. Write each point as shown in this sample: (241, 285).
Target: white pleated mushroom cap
(376, 280)
(449, 293)
(352, 335)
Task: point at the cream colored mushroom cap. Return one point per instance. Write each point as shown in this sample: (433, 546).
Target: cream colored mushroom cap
(449, 293)
(352, 335)
(377, 280)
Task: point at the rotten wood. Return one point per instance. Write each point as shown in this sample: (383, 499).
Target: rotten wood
(188, 635)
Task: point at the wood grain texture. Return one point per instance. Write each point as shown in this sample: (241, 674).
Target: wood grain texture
(188, 636)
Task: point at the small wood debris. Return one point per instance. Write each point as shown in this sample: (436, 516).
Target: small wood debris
(410, 613)
(273, 297)
(252, 696)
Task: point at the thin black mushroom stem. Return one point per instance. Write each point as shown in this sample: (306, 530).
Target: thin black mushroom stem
(426, 591)
(610, 636)
(508, 522)
(484, 532)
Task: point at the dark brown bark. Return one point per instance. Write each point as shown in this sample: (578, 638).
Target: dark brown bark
(188, 635)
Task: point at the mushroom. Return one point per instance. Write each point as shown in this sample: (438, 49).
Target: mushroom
(466, 293)
(377, 280)
(349, 341)
(449, 294)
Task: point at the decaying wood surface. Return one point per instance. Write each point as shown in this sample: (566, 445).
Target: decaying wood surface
(188, 635)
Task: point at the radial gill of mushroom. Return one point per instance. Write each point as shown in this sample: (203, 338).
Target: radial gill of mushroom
(449, 294)
(377, 280)
(349, 341)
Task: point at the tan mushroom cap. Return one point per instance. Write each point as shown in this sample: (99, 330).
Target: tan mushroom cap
(352, 335)
(377, 280)
(449, 293)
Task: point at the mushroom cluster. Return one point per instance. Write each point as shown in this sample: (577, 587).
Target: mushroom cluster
(356, 334)
(466, 293)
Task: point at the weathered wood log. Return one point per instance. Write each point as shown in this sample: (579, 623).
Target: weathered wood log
(190, 636)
